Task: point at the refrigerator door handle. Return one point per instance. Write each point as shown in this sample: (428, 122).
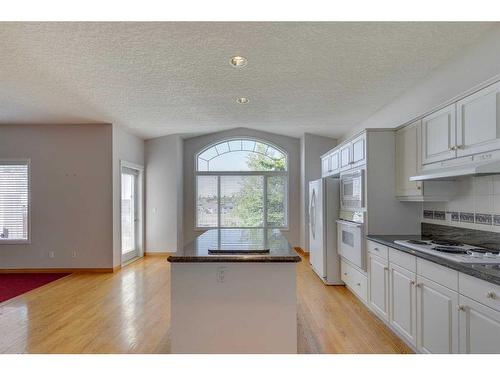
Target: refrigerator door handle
(312, 213)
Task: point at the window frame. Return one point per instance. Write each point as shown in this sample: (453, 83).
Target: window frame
(265, 175)
(27, 162)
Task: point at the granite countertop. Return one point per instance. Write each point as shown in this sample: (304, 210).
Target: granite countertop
(481, 271)
(231, 245)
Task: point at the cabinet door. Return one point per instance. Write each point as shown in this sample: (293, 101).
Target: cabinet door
(437, 318)
(402, 298)
(325, 166)
(345, 157)
(408, 160)
(438, 135)
(479, 327)
(378, 285)
(358, 146)
(478, 122)
(335, 162)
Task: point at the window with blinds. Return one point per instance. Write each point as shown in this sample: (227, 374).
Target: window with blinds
(242, 183)
(14, 201)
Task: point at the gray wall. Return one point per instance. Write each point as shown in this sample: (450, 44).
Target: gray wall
(130, 148)
(470, 68)
(291, 145)
(164, 192)
(311, 148)
(71, 195)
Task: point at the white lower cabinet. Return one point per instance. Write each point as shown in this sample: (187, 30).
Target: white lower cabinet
(433, 308)
(437, 318)
(378, 285)
(479, 327)
(402, 298)
(354, 279)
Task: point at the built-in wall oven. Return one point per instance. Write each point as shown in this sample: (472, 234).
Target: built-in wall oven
(350, 228)
(352, 191)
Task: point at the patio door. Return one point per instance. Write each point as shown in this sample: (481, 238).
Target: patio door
(131, 223)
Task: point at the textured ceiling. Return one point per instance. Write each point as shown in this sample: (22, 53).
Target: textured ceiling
(164, 78)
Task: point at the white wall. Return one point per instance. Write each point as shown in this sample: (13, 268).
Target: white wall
(311, 148)
(164, 193)
(473, 66)
(71, 195)
(130, 148)
(291, 145)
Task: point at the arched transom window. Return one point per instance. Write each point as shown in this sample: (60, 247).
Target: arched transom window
(242, 183)
(241, 155)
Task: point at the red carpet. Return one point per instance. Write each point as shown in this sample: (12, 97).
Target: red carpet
(14, 284)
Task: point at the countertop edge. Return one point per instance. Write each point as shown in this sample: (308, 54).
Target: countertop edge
(233, 259)
(440, 261)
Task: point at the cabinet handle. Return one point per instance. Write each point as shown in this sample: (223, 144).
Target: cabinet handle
(461, 308)
(419, 285)
(419, 187)
(358, 284)
(376, 249)
(386, 268)
(459, 147)
(412, 282)
(491, 295)
(345, 273)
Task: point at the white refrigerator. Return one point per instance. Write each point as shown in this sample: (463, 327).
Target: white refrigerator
(324, 205)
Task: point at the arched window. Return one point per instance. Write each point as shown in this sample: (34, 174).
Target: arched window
(242, 183)
(241, 155)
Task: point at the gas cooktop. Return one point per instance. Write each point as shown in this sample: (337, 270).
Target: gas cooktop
(455, 251)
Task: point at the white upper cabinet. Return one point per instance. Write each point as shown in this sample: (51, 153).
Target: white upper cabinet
(345, 156)
(335, 162)
(437, 318)
(478, 122)
(358, 146)
(408, 160)
(330, 164)
(326, 166)
(439, 135)
(479, 327)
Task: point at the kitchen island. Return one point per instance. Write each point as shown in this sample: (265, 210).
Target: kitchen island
(234, 291)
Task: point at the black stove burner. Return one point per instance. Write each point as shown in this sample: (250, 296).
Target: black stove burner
(417, 242)
(447, 243)
(484, 251)
(449, 249)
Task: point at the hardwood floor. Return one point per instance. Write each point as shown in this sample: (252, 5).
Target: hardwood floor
(128, 312)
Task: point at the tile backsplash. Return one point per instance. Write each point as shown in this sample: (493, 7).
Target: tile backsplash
(475, 206)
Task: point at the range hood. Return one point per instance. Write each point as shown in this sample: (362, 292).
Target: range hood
(469, 169)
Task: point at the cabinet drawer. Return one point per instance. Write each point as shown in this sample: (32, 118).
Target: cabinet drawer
(482, 291)
(439, 274)
(378, 249)
(402, 259)
(355, 280)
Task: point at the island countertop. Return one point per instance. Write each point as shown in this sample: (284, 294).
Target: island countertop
(235, 245)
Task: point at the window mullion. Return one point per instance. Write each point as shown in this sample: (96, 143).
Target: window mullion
(265, 202)
(218, 203)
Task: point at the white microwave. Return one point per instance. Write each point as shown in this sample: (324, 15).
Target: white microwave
(352, 191)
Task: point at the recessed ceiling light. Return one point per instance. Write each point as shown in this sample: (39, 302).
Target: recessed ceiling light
(238, 61)
(242, 100)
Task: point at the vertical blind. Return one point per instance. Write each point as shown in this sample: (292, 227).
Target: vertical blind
(13, 201)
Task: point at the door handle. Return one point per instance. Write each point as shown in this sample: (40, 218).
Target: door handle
(348, 223)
